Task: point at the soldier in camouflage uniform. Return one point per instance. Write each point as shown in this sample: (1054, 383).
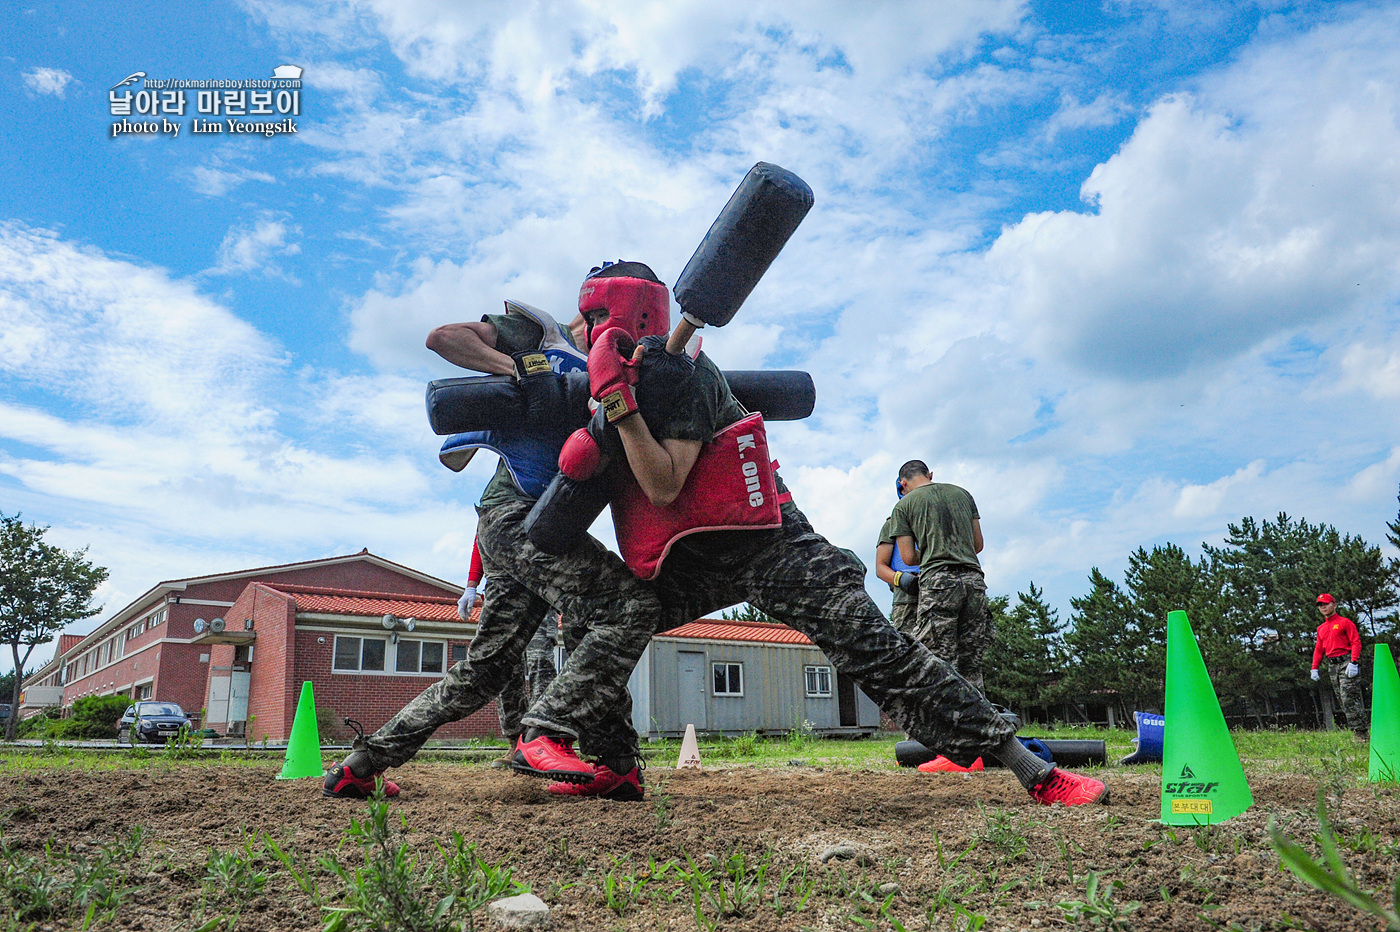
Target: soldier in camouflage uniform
(937, 524)
(589, 583)
(791, 572)
(904, 610)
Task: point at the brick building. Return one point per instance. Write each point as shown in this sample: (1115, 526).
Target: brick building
(368, 633)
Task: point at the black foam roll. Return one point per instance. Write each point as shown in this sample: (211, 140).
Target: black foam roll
(560, 519)
(1068, 752)
(742, 242)
(486, 402)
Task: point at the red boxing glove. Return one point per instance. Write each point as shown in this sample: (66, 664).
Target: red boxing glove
(579, 458)
(611, 373)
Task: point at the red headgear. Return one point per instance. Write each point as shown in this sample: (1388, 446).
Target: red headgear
(636, 301)
(1325, 597)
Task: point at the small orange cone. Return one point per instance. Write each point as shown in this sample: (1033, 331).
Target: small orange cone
(690, 751)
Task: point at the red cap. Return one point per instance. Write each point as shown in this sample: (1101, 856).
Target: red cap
(1325, 598)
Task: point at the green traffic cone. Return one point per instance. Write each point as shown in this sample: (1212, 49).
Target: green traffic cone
(304, 746)
(1202, 779)
(1385, 718)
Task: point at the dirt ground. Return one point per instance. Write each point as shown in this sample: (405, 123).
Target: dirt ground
(1018, 860)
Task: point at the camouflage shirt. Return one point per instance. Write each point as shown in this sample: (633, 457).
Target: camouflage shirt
(939, 517)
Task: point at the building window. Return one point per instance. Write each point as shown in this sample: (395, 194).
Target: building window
(419, 657)
(143, 691)
(459, 653)
(818, 682)
(364, 654)
(729, 679)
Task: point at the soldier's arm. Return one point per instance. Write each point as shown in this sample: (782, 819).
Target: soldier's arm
(471, 345)
(661, 467)
(883, 555)
(907, 553)
(976, 535)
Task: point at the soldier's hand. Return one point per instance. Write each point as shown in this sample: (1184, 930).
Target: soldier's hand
(907, 581)
(1315, 675)
(1353, 670)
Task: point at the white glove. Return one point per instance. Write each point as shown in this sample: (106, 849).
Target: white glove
(1353, 670)
(465, 603)
(1315, 675)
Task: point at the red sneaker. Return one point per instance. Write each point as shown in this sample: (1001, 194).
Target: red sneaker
(1061, 786)
(941, 764)
(342, 783)
(550, 757)
(605, 785)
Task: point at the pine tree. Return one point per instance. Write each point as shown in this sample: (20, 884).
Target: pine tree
(1026, 660)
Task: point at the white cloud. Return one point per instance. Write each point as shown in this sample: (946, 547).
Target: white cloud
(1266, 202)
(214, 180)
(252, 248)
(51, 81)
(165, 437)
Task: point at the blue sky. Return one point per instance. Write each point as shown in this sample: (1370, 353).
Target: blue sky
(1127, 273)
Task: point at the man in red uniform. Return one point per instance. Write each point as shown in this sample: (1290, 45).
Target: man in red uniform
(1339, 643)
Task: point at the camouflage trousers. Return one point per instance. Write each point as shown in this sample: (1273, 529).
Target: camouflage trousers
(588, 584)
(529, 680)
(954, 619)
(1346, 691)
(798, 577)
(905, 616)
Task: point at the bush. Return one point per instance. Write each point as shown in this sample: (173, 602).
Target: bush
(96, 716)
(329, 725)
(47, 724)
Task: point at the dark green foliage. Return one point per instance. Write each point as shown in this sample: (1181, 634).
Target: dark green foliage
(1027, 653)
(746, 612)
(96, 716)
(1252, 605)
(43, 589)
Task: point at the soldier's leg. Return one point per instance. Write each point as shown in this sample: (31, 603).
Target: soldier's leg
(808, 583)
(975, 631)
(1350, 699)
(509, 616)
(905, 617)
(539, 657)
(617, 610)
(512, 702)
(940, 603)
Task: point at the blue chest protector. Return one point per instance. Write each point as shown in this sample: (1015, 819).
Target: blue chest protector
(530, 454)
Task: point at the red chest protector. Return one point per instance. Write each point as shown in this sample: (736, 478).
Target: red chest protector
(730, 487)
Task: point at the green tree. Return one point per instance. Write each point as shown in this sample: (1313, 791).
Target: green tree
(43, 589)
(1394, 534)
(1103, 647)
(1027, 656)
(1268, 576)
(7, 684)
(746, 612)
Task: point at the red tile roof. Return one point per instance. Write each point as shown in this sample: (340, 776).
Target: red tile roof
(370, 604)
(758, 631)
